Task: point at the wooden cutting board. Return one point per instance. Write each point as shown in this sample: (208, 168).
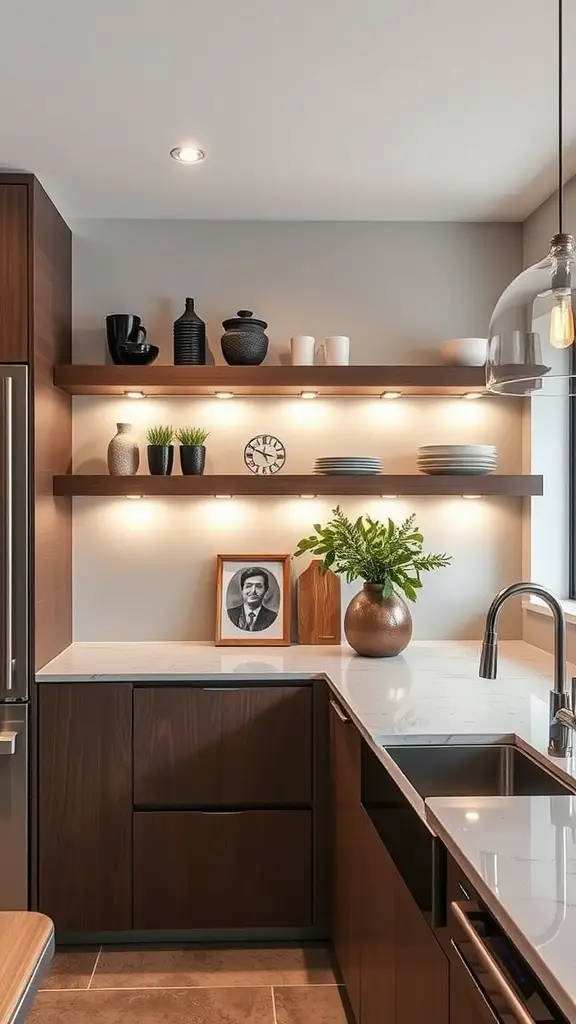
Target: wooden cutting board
(318, 606)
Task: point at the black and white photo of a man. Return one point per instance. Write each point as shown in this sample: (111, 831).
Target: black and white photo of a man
(252, 615)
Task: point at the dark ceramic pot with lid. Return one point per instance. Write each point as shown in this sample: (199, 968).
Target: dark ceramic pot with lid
(244, 342)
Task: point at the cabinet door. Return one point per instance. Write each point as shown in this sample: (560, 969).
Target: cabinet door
(463, 1008)
(422, 972)
(377, 973)
(246, 869)
(244, 746)
(14, 284)
(85, 805)
(347, 864)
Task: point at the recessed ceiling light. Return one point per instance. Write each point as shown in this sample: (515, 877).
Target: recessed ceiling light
(307, 495)
(390, 395)
(308, 394)
(472, 497)
(188, 154)
(134, 497)
(134, 394)
(471, 396)
(223, 497)
(223, 394)
(472, 816)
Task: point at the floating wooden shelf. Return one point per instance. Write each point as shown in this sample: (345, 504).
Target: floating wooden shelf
(270, 380)
(418, 484)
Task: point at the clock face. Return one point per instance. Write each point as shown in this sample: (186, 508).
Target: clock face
(264, 454)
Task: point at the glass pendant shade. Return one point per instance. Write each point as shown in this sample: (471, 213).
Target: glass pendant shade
(531, 335)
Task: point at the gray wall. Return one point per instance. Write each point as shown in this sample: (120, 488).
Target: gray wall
(396, 289)
(541, 225)
(145, 570)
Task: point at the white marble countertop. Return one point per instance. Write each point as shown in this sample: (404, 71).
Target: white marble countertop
(520, 855)
(431, 694)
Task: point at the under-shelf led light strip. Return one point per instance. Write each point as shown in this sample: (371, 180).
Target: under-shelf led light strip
(307, 395)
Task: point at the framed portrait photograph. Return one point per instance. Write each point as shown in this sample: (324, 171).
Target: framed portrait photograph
(253, 600)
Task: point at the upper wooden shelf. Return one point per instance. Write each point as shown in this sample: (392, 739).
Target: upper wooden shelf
(492, 484)
(270, 380)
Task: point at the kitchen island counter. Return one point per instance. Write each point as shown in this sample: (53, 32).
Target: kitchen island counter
(26, 948)
(520, 855)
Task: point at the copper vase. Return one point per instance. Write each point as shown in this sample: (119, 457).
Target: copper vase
(376, 626)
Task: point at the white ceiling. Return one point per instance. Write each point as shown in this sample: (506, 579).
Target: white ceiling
(308, 109)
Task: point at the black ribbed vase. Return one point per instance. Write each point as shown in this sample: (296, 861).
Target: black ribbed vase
(189, 338)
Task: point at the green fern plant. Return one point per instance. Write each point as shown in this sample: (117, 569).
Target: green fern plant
(160, 436)
(385, 554)
(192, 436)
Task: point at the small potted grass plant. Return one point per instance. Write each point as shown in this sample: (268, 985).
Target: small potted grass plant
(160, 450)
(192, 450)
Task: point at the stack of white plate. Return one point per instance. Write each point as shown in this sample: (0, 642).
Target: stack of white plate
(457, 459)
(348, 465)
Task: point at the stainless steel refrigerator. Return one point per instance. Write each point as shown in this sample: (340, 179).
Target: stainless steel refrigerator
(15, 646)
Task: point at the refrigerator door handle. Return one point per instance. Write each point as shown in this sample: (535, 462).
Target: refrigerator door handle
(8, 742)
(6, 531)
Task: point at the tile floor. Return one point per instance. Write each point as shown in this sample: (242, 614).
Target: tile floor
(173, 985)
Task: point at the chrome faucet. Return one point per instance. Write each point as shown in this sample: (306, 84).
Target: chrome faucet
(562, 703)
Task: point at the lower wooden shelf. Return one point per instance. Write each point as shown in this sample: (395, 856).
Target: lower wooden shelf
(81, 484)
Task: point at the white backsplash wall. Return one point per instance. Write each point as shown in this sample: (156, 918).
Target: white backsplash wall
(145, 570)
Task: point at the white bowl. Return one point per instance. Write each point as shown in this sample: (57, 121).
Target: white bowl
(464, 351)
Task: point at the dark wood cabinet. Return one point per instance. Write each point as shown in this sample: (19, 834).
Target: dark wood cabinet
(36, 328)
(421, 967)
(15, 288)
(463, 1007)
(394, 970)
(249, 869)
(377, 934)
(204, 746)
(85, 805)
(347, 863)
(181, 807)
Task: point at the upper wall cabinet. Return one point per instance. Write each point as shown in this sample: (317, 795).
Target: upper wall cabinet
(36, 328)
(14, 284)
(35, 275)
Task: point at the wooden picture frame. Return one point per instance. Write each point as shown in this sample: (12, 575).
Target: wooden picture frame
(245, 603)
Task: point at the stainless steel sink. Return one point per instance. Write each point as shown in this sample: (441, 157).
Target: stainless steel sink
(497, 769)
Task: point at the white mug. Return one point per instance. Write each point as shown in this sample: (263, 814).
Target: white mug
(337, 350)
(302, 348)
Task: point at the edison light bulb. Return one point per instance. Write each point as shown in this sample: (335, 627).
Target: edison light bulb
(562, 319)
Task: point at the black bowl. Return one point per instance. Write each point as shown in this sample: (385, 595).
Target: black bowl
(140, 354)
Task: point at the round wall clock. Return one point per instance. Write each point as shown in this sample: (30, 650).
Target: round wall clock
(264, 454)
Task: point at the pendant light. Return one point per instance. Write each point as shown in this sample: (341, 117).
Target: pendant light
(532, 327)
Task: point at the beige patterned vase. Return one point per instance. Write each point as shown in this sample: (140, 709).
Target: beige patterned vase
(123, 452)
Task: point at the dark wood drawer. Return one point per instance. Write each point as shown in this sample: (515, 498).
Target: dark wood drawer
(201, 746)
(249, 869)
